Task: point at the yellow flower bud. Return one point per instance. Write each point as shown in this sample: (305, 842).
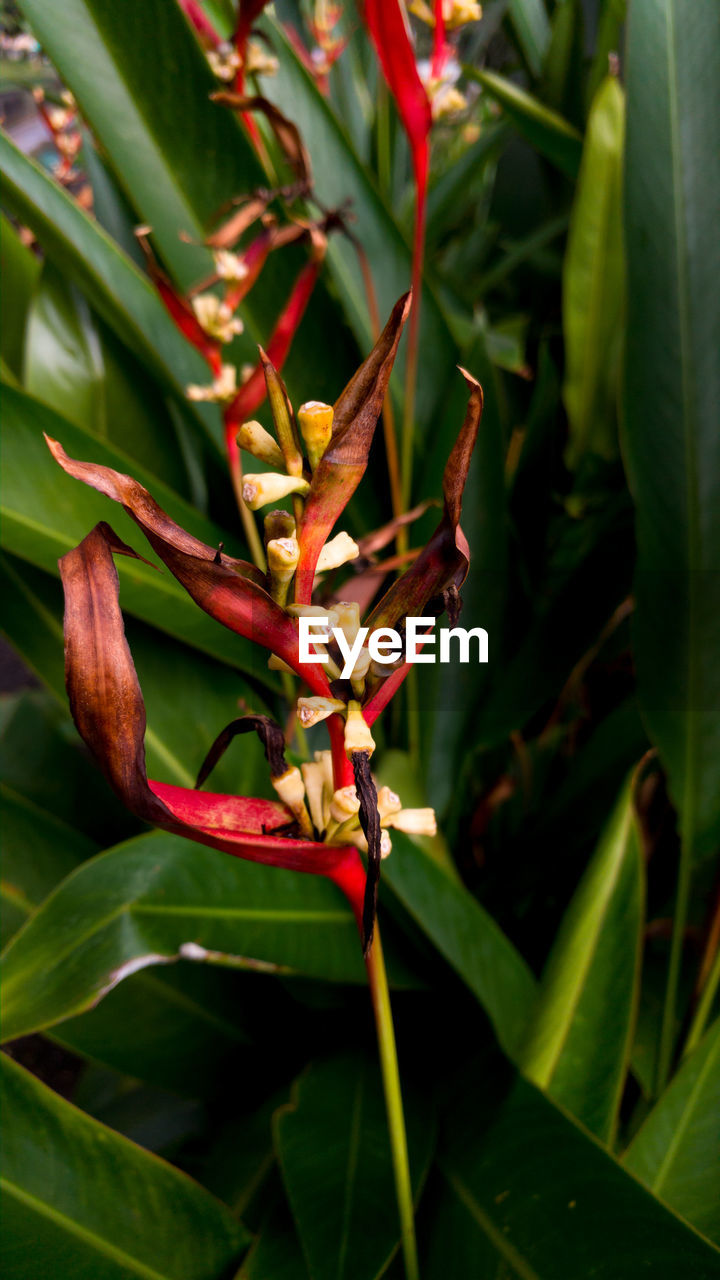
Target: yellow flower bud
(269, 486)
(282, 557)
(344, 804)
(256, 440)
(311, 711)
(357, 733)
(316, 791)
(338, 551)
(414, 822)
(291, 790)
(388, 803)
(258, 62)
(223, 388)
(348, 618)
(216, 318)
(229, 266)
(315, 420)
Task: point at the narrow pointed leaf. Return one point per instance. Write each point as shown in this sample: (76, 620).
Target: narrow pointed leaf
(675, 1153)
(159, 898)
(532, 28)
(80, 1200)
(581, 1030)
(593, 284)
(671, 393)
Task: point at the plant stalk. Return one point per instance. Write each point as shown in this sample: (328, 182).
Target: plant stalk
(377, 978)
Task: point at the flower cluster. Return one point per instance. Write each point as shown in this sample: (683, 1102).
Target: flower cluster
(329, 808)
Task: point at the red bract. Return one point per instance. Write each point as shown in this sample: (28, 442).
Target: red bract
(388, 30)
(198, 18)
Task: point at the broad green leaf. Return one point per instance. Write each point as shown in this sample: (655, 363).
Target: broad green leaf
(46, 513)
(581, 1030)
(175, 1028)
(160, 898)
(80, 1200)
(333, 1147)
(547, 131)
(340, 176)
(529, 1194)
(532, 28)
(671, 393)
(75, 364)
(113, 285)
(43, 761)
(20, 270)
(467, 936)
(675, 1153)
(39, 850)
(593, 284)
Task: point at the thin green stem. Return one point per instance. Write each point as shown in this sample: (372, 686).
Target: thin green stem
(682, 903)
(705, 1004)
(377, 977)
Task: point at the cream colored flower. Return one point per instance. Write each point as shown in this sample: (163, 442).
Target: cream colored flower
(223, 388)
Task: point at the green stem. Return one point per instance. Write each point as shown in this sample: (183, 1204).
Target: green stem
(705, 1004)
(682, 903)
(377, 977)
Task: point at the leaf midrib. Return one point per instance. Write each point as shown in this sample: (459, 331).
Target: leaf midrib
(681, 1128)
(496, 1237)
(96, 1242)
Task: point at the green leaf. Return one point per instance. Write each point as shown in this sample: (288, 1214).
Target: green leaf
(276, 1254)
(581, 1030)
(530, 1195)
(543, 128)
(80, 1200)
(563, 66)
(532, 28)
(333, 1147)
(467, 936)
(593, 284)
(20, 270)
(339, 177)
(671, 393)
(675, 1151)
(39, 850)
(75, 364)
(113, 285)
(46, 514)
(160, 898)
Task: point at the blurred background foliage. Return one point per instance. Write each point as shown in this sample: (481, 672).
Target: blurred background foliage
(554, 954)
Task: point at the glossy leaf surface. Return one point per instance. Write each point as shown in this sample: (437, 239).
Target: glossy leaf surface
(581, 1031)
(76, 1197)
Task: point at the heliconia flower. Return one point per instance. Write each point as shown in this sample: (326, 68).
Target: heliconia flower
(230, 266)
(270, 486)
(389, 33)
(254, 439)
(315, 421)
(321, 811)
